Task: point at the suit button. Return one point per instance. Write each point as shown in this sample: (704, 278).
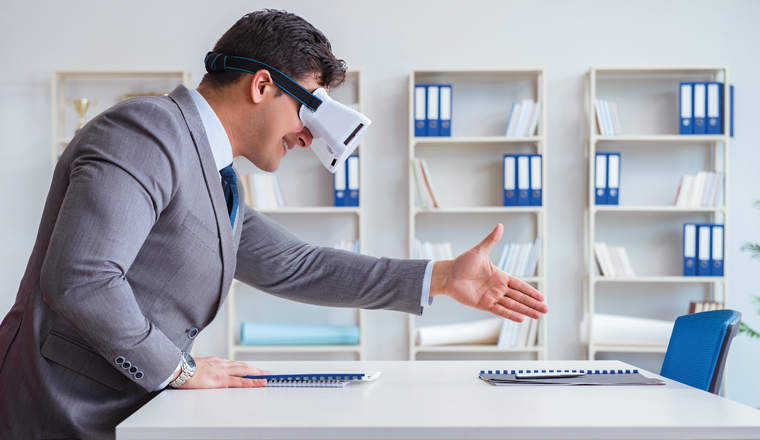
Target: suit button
(139, 375)
(119, 360)
(126, 364)
(133, 370)
(192, 333)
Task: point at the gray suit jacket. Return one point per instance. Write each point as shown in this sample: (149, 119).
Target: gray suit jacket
(134, 256)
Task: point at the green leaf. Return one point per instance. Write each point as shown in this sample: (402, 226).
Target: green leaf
(752, 247)
(744, 328)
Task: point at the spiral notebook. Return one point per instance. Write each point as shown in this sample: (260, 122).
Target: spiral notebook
(314, 379)
(567, 377)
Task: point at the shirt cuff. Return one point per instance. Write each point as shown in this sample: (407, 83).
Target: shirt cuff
(166, 383)
(425, 299)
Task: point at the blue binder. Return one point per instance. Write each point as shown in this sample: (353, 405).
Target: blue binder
(686, 108)
(613, 178)
(704, 250)
(339, 184)
(717, 251)
(536, 177)
(700, 108)
(714, 108)
(510, 180)
(420, 110)
(689, 250)
(523, 180)
(433, 111)
(352, 177)
(445, 110)
(600, 178)
(731, 110)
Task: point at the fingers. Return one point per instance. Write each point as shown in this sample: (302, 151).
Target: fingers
(491, 239)
(214, 372)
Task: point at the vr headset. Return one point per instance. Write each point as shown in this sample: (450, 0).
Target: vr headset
(336, 129)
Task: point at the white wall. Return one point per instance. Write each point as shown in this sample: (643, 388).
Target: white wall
(388, 39)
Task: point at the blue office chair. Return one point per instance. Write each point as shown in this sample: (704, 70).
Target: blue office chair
(698, 348)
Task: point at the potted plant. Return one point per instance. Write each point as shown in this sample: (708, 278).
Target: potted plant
(754, 249)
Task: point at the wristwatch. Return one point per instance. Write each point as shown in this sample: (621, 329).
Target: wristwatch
(188, 370)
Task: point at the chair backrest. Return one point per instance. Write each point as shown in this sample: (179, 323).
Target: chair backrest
(698, 348)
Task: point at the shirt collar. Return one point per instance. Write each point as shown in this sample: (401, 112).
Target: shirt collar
(220, 144)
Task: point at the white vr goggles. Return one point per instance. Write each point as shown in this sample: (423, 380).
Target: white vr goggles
(336, 129)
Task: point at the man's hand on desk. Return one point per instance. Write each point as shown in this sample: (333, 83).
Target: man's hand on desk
(213, 372)
(472, 280)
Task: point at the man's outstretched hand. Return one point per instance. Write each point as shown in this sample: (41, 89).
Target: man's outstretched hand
(472, 280)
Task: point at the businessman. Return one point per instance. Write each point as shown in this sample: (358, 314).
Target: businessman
(142, 233)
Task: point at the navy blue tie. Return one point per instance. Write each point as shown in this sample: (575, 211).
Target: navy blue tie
(229, 185)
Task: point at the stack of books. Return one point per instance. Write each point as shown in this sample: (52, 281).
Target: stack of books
(427, 250)
(426, 197)
(262, 191)
(520, 259)
(518, 334)
(523, 119)
(704, 306)
(613, 261)
(347, 245)
(702, 189)
(607, 118)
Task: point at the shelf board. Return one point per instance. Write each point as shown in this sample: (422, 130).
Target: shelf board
(296, 348)
(661, 138)
(658, 279)
(121, 72)
(653, 70)
(481, 210)
(655, 208)
(484, 72)
(311, 210)
(476, 140)
(475, 349)
(631, 348)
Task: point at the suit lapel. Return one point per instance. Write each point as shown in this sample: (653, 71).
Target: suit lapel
(184, 101)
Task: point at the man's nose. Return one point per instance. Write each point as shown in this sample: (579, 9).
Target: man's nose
(304, 138)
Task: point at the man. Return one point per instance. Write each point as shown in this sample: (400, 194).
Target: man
(141, 236)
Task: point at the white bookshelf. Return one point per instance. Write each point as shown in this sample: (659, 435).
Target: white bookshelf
(107, 87)
(309, 213)
(646, 220)
(467, 171)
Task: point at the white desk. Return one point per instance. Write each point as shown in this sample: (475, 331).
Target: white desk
(443, 400)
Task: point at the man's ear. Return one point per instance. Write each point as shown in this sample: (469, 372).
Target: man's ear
(262, 86)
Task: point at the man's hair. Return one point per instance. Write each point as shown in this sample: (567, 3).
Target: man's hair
(283, 40)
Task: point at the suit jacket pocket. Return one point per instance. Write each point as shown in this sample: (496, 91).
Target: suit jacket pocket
(201, 232)
(83, 360)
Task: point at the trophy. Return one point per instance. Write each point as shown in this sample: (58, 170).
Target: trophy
(81, 106)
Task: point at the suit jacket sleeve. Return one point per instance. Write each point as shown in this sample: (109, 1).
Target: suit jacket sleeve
(123, 174)
(274, 260)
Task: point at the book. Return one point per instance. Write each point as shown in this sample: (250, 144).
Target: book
(426, 250)
(314, 379)
(702, 189)
(426, 197)
(482, 332)
(520, 259)
(523, 119)
(613, 261)
(263, 191)
(347, 245)
(607, 118)
(704, 306)
(570, 377)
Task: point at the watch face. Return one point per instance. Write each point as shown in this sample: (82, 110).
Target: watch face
(190, 361)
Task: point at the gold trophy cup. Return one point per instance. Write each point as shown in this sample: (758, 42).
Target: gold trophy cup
(81, 106)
